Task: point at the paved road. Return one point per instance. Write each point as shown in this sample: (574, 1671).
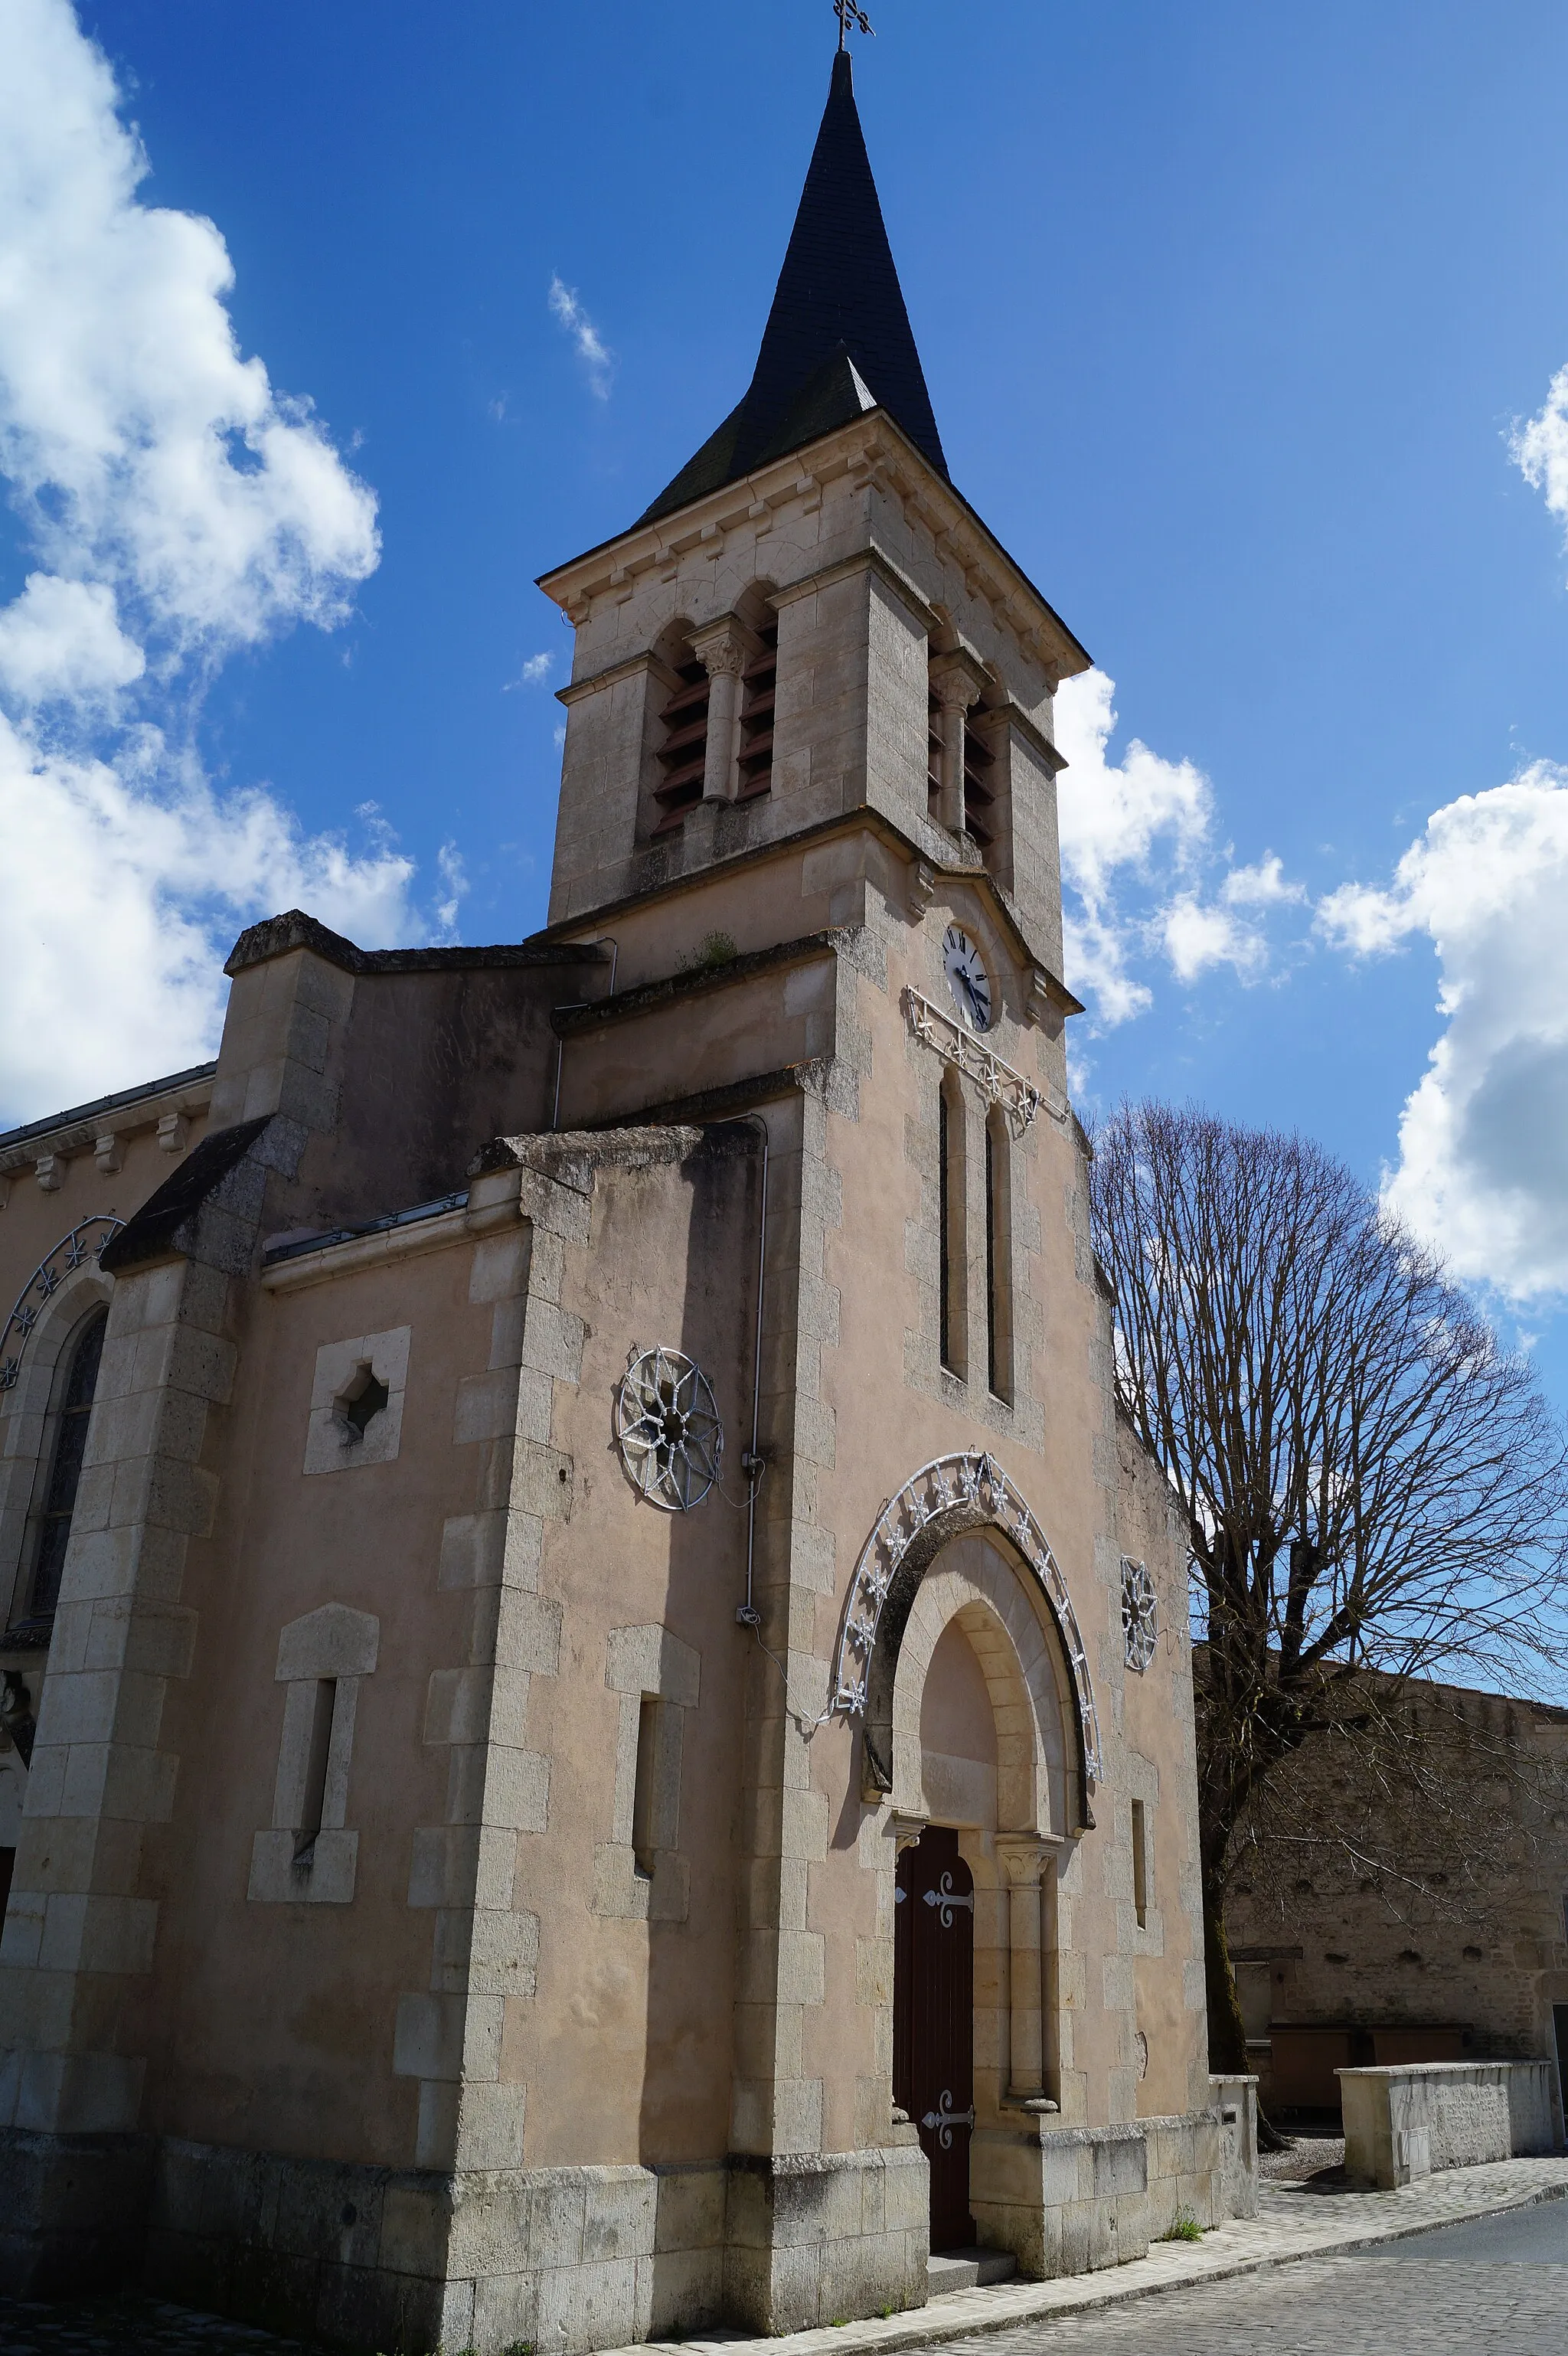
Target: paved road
(1495, 2287)
(1497, 2284)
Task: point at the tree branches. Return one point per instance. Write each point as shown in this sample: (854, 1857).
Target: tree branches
(1369, 1481)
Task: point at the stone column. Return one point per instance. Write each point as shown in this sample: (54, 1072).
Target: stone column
(1023, 1857)
(955, 686)
(722, 654)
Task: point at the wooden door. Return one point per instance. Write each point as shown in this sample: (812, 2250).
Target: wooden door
(934, 2020)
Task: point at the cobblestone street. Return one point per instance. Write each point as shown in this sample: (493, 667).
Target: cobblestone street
(1498, 2283)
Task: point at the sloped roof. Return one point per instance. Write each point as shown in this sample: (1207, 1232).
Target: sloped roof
(838, 341)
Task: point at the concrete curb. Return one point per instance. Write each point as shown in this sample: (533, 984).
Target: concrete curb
(967, 2314)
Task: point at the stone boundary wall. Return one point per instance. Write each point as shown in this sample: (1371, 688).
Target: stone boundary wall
(1069, 2201)
(1401, 2124)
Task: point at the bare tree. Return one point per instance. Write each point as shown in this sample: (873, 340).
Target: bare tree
(1369, 1481)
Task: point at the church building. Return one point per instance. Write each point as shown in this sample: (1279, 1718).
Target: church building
(597, 1729)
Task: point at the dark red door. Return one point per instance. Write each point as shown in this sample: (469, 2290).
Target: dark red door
(934, 2020)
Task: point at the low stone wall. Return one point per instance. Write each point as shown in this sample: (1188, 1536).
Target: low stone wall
(1401, 2124)
(1068, 2200)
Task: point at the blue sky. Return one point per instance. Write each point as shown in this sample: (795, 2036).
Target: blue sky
(1229, 315)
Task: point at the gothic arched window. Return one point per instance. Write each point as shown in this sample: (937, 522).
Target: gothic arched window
(73, 1408)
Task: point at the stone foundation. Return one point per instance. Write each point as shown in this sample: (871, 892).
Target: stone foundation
(821, 2240)
(73, 2211)
(569, 2259)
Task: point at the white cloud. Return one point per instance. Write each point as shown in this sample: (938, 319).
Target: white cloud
(1540, 447)
(597, 359)
(63, 638)
(1196, 938)
(120, 892)
(1483, 1166)
(1136, 839)
(536, 670)
(1263, 886)
(176, 507)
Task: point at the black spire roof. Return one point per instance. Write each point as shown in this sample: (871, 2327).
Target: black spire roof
(838, 339)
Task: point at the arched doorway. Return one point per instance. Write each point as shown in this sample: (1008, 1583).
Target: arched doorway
(982, 1789)
(934, 2020)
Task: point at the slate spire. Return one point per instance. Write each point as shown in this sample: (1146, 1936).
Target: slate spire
(838, 341)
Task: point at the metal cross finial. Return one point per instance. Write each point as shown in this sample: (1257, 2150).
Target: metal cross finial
(848, 14)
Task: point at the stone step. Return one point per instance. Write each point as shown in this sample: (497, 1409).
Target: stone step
(948, 2270)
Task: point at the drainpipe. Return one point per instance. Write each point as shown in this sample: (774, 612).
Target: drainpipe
(576, 1007)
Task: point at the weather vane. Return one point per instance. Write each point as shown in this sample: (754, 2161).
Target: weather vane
(848, 14)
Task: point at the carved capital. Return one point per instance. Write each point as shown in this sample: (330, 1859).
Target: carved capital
(724, 648)
(906, 1830)
(921, 886)
(955, 685)
(722, 657)
(1023, 1857)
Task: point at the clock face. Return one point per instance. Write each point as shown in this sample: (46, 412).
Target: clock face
(968, 979)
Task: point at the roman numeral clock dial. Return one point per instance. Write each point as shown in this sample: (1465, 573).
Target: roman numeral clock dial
(968, 979)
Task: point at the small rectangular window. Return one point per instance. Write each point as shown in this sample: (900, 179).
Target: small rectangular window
(1140, 1864)
(643, 1793)
(314, 1799)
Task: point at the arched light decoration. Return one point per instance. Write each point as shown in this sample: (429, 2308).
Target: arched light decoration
(1140, 1614)
(950, 1495)
(668, 1429)
(85, 1242)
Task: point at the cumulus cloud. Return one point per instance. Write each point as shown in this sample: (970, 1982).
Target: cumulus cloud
(175, 506)
(63, 638)
(1136, 855)
(1483, 1140)
(597, 360)
(1540, 446)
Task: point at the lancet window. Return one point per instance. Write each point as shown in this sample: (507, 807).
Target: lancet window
(683, 753)
(953, 1278)
(759, 682)
(66, 1455)
(998, 1259)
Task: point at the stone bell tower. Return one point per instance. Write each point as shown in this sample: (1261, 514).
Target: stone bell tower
(809, 629)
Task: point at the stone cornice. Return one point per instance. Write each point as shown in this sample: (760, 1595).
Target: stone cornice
(275, 937)
(874, 822)
(408, 1237)
(78, 1131)
(874, 449)
(569, 1022)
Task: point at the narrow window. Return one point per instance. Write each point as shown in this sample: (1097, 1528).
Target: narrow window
(999, 1259)
(933, 754)
(1140, 1866)
(759, 684)
(953, 1273)
(979, 788)
(65, 1464)
(314, 1799)
(683, 755)
(643, 1791)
